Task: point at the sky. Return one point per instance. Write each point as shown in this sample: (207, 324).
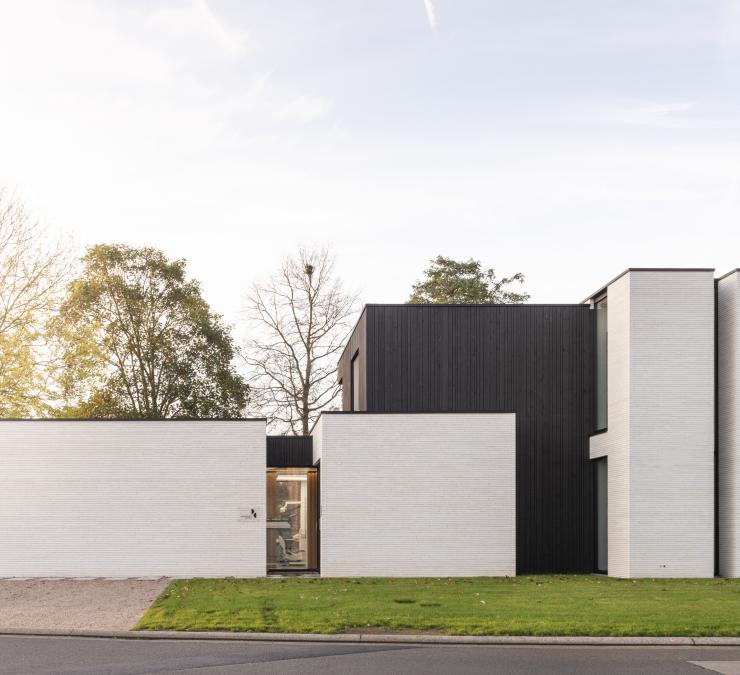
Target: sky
(566, 139)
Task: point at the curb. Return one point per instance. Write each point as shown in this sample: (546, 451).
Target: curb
(380, 638)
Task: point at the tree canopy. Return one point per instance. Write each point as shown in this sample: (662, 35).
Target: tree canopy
(138, 341)
(465, 282)
(33, 270)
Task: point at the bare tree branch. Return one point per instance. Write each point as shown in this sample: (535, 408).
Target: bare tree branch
(299, 319)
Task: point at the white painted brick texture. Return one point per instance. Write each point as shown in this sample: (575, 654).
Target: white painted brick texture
(615, 443)
(132, 498)
(660, 438)
(728, 316)
(672, 424)
(417, 495)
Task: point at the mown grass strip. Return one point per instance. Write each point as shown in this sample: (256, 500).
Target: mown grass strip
(531, 605)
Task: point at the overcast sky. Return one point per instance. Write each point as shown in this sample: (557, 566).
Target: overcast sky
(567, 139)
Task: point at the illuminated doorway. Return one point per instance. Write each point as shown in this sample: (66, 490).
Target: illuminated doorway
(292, 519)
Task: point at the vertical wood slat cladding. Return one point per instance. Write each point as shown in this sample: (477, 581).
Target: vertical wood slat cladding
(534, 360)
(290, 451)
(355, 345)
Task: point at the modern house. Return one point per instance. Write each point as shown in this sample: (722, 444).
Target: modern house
(474, 440)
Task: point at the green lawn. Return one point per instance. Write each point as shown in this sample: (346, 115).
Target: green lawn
(534, 605)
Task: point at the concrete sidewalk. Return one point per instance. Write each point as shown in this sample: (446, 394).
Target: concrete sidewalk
(380, 638)
(39, 605)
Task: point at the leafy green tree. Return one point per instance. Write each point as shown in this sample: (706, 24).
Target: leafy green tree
(465, 282)
(139, 341)
(33, 271)
(22, 392)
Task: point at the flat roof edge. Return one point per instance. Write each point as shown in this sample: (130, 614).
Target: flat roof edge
(417, 412)
(727, 274)
(133, 419)
(645, 269)
(472, 305)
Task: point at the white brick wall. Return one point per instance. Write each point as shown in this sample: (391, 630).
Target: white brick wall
(417, 494)
(132, 498)
(615, 443)
(728, 316)
(672, 424)
(660, 438)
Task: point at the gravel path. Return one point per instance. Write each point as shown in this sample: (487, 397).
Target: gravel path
(76, 604)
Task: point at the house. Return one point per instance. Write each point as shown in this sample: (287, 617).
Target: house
(600, 436)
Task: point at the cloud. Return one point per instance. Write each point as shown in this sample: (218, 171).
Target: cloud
(194, 20)
(658, 114)
(306, 108)
(729, 25)
(431, 14)
(670, 115)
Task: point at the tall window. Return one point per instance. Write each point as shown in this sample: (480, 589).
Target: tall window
(602, 515)
(292, 519)
(601, 364)
(355, 382)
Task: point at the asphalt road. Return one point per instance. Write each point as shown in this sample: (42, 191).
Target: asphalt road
(19, 655)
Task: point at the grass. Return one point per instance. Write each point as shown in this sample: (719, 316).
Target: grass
(531, 605)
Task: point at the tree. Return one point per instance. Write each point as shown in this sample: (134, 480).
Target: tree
(33, 269)
(465, 282)
(139, 341)
(300, 319)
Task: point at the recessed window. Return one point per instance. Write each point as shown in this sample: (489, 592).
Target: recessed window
(355, 400)
(601, 364)
(602, 515)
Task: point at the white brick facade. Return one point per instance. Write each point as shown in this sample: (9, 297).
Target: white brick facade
(660, 438)
(417, 494)
(429, 494)
(132, 498)
(615, 443)
(728, 346)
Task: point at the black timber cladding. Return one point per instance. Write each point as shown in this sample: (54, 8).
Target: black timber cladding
(355, 345)
(289, 451)
(535, 360)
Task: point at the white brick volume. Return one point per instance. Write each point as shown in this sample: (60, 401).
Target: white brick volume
(728, 324)
(417, 494)
(660, 437)
(132, 498)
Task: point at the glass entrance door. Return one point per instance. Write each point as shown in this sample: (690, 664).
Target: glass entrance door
(292, 519)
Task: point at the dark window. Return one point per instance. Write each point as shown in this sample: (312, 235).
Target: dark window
(355, 400)
(602, 515)
(601, 364)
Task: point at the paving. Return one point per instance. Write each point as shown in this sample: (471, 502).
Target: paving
(109, 656)
(75, 604)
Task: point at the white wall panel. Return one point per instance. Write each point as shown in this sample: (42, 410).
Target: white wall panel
(82, 498)
(417, 494)
(615, 442)
(672, 424)
(728, 317)
(660, 438)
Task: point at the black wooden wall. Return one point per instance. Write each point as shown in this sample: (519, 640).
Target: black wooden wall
(355, 345)
(289, 451)
(534, 360)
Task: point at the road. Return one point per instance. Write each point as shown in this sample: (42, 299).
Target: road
(19, 655)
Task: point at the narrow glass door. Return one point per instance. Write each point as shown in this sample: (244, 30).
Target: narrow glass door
(292, 523)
